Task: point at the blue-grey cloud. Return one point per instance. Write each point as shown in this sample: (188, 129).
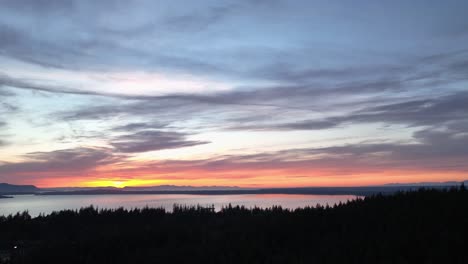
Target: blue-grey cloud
(423, 112)
(215, 38)
(152, 140)
(290, 65)
(2, 141)
(131, 127)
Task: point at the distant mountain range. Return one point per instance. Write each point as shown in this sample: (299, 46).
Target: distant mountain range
(220, 190)
(182, 188)
(6, 188)
(144, 188)
(448, 183)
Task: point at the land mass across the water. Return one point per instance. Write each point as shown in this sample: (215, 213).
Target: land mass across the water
(425, 226)
(8, 189)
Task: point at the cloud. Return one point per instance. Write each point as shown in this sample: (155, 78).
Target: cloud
(439, 150)
(303, 66)
(9, 36)
(144, 141)
(4, 92)
(434, 151)
(197, 21)
(19, 83)
(60, 162)
(3, 124)
(419, 112)
(303, 91)
(3, 142)
(104, 44)
(276, 99)
(300, 125)
(422, 112)
(139, 126)
(213, 38)
(42, 5)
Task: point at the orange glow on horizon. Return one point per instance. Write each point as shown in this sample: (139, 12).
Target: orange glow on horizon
(252, 179)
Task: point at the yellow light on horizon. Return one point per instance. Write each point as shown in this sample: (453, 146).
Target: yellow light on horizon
(118, 184)
(123, 183)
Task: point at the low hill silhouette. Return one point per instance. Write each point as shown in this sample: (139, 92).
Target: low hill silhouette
(6, 188)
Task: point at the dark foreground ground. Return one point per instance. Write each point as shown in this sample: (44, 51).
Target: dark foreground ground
(425, 226)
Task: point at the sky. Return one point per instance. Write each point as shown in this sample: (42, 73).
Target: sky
(249, 93)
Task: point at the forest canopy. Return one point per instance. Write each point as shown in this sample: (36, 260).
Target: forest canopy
(424, 226)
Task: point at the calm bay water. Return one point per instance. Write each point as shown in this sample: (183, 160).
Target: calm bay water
(37, 204)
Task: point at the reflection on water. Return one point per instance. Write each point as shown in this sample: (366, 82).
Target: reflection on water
(47, 204)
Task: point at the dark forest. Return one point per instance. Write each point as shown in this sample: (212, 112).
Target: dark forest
(424, 226)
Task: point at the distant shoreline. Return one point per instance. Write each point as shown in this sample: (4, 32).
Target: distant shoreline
(359, 191)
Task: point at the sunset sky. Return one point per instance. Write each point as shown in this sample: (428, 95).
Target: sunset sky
(250, 93)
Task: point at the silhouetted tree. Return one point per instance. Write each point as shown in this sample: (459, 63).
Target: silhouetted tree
(424, 226)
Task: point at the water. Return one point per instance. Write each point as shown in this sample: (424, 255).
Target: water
(37, 204)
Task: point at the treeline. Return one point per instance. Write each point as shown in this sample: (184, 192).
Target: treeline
(424, 226)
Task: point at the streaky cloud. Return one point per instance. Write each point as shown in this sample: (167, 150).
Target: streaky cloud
(59, 162)
(152, 140)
